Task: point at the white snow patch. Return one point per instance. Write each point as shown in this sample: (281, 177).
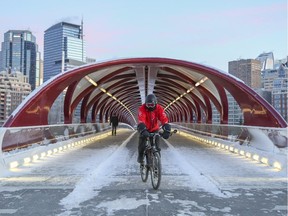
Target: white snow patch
(97, 178)
(198, 180)
(187, 204)
(225, 209)
(121, 204)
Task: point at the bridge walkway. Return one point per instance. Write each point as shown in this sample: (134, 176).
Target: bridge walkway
(102, 178)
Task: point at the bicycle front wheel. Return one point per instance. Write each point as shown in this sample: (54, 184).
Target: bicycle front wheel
(156, 170)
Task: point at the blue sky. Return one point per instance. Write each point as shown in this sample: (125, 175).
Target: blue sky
(208, 32)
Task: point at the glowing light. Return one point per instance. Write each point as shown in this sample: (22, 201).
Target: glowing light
(14, 164)
(264, 160)
(27, 160)
(35, 157)
(277, 165)
(242, 152)
(248, 155)
(256, 157)
(201, 81)
(91, 81)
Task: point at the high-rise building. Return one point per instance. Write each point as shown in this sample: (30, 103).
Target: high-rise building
(276, 82)
(64, 48)
(19, 52)
(248, 70)
(267, 60)
(14, 87)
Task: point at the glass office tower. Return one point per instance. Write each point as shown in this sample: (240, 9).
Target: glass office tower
(64, 48)
(19, 53)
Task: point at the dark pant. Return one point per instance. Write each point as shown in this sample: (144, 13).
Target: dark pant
(114, 130)
(142, 144)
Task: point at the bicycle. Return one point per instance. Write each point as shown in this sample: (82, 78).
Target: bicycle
(152, 160)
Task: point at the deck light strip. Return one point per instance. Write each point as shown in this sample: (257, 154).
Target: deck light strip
(249, 155)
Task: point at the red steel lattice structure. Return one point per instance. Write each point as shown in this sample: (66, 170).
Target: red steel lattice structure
(185, 89)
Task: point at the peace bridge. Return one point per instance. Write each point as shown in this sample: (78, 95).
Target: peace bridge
(188, 92)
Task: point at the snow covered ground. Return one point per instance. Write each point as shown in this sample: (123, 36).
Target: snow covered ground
(89, 174)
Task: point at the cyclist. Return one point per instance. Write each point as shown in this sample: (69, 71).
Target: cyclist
(149, 114)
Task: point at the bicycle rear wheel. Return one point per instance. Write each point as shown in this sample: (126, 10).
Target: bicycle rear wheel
(156, 170)
(144, 170)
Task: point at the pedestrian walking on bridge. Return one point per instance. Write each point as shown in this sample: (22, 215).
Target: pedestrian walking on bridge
(114, 123)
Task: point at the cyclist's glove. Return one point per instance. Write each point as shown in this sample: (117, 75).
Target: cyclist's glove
(145, 133)
(166, 131)
(142, 130)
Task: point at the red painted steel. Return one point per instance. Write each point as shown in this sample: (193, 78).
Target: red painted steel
(256, 111)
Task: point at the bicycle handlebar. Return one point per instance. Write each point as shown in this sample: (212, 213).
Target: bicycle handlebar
(161, 133)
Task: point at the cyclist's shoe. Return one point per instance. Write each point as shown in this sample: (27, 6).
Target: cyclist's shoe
(140, 159)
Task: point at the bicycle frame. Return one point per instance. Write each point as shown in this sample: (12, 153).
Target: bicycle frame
(152, 160)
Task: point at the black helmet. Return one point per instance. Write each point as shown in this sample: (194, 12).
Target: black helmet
(151, 102)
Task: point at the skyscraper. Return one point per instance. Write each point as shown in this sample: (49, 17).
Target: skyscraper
(276, 82)
(19, 52)
(64, 48)
(267, 60)
(248, 70)
(14, 87)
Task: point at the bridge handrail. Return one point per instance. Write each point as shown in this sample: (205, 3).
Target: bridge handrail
(262, 138)
(24, 137)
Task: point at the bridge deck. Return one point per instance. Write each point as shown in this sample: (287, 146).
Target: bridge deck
(102, 178)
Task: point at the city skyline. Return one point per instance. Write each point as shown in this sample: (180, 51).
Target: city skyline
(194, 31)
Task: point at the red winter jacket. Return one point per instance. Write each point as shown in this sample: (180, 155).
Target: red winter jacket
(150, 118)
